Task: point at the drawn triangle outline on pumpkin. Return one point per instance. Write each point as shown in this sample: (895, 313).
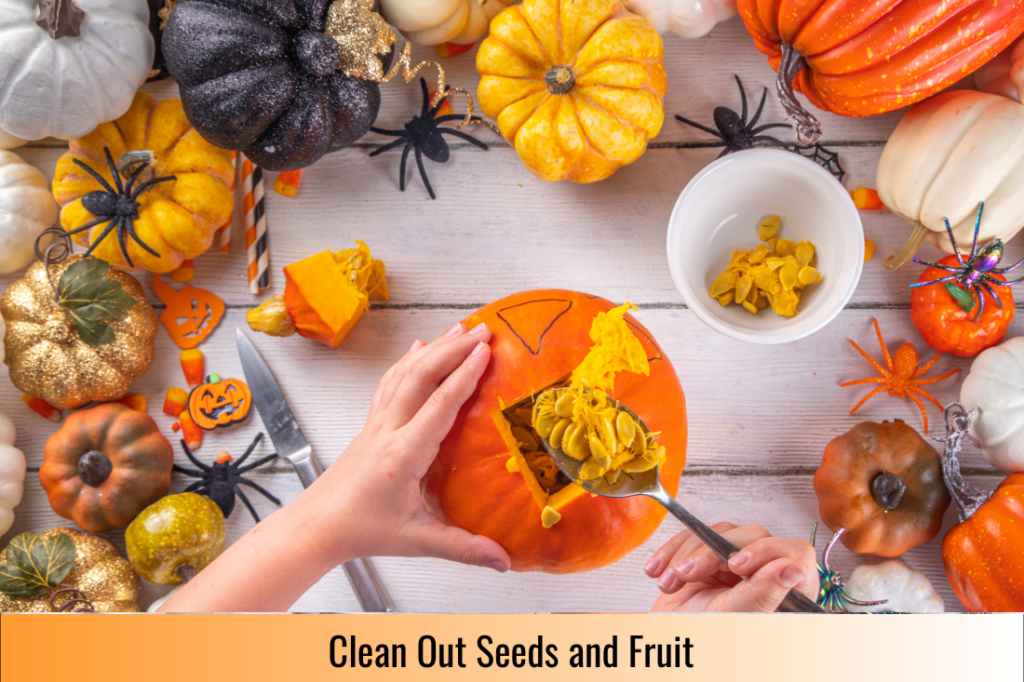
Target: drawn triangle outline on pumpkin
(647, 342)
(191, 314)
(528, 318)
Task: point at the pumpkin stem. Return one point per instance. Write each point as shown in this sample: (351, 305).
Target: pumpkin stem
(60, 18)
(560, 80)
(968, 498)
(78, 603)
(94, 468)
(888, 490)
(896, 260)
(808, 128)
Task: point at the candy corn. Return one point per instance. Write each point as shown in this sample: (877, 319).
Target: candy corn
(287, 182)
(452, 49)
(176, 426)
(869, 250)
(190, 431)
(867, 199)
(175, 401)
(136, 401)
(192, 366)
(184, 273)
(444, 110)
(42, 408)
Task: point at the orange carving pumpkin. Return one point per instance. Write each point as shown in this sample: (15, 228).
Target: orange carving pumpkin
(480, 479)
(219, 402)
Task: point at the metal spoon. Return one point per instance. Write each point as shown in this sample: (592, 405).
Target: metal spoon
(648, 483)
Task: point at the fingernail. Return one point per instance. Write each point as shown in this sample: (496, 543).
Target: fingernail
(739, 559)
(666, 580)
(685, 566)
(479, 348)
(413, 346)
(791, 577)
(653, 566)
(457, 329)
(496, 565)
(479, 329)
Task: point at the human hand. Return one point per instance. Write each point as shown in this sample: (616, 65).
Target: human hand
(370, 502)
(691, 578)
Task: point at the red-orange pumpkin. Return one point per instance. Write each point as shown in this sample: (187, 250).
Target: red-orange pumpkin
(538, 338)
(859, 58)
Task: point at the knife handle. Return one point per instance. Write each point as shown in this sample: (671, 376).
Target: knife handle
(369, 588)
(308, 470)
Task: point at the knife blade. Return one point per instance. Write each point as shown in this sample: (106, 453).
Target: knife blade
(291, 443)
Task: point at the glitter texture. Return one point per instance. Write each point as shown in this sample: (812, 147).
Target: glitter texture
(361, 34)
(100, 572)
(46, 357)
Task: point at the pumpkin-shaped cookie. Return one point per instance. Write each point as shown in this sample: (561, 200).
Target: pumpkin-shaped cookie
(176, 218)
(47, 356)
(576, 87)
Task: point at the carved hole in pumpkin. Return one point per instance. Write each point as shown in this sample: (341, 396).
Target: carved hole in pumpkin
(519, 416)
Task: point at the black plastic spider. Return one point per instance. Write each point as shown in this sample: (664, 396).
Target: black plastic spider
(424, 134)
(116, 205)
(973, 275)
(736, 134)
(220, 481)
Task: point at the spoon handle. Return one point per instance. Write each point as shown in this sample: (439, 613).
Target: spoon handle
(794, 601)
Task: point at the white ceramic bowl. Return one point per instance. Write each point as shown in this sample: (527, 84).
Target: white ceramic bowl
(720, 210)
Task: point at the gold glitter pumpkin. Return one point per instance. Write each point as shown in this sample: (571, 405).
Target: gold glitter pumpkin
(102, 575)
(49, 360)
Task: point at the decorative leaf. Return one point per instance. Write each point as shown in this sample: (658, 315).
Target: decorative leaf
(35, 565)
(89, 297)
(963, 298)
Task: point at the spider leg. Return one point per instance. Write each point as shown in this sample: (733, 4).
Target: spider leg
(1007, 283)
(113, 170)
(698, 126)
(382, 131)
(454, 117)
(260, 489)
(192, 458)
(87, 226)
(881, 342)
(195, 486)
(977, 228)
(188, 472)
(257, 464)
(872, 394)
(872, 380)
(991, 293)
(247, 503)
(925, 382)
(927, 367)
(760, 107)
(149, 183)
(401, 168)
(952, 240)
(464, 136)
(103, 235)
(426, 98)
(134, 177)
(1002, 271)
(120, 240)
(881, 370)
(248, 450)
(763, 128)
(389, 146)
(924, 415)
(96, 176)
(130, 226)
(705, 145)
(423, 173)
(947, 268)
(950, 278)
(743, 99)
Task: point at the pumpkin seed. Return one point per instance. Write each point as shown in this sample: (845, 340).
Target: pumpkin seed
(544, 423)
(598, 451)
(558, 433)
(808, 275)
(769, 227)
(625, 428)
(564, 404)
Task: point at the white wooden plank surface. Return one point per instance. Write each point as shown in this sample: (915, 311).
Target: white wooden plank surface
(759, 417)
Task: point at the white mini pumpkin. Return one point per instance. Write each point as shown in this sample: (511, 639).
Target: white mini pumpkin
(12, 472)
(26, 209)
(685, 18)
(433, 22)
(8, 141)
(995, 387)
(1004, 75)
(948, 154)
(906, 589)
(66, 86)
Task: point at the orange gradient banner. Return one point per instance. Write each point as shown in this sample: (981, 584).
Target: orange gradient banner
(765, 648)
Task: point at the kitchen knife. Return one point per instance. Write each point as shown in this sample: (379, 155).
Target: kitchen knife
(291, 444)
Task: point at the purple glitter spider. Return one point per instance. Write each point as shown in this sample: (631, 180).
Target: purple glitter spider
(975, 273)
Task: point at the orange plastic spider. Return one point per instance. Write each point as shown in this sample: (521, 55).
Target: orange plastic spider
(901, 377)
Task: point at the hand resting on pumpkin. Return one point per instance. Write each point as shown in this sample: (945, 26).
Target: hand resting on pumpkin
(369, 501)
(691, 578)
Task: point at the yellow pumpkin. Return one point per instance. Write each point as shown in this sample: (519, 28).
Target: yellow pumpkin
(576, 87)
(176, 218)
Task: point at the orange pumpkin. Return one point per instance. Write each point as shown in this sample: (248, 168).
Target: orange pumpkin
(219, 402)
(859, 58)
(483, 483)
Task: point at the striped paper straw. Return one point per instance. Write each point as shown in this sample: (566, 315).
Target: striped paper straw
(256, 250)
(224, 234)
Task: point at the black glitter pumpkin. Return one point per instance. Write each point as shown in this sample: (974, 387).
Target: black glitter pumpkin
(258, 76)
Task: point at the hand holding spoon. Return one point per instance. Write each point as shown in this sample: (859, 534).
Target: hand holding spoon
(647, 483)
